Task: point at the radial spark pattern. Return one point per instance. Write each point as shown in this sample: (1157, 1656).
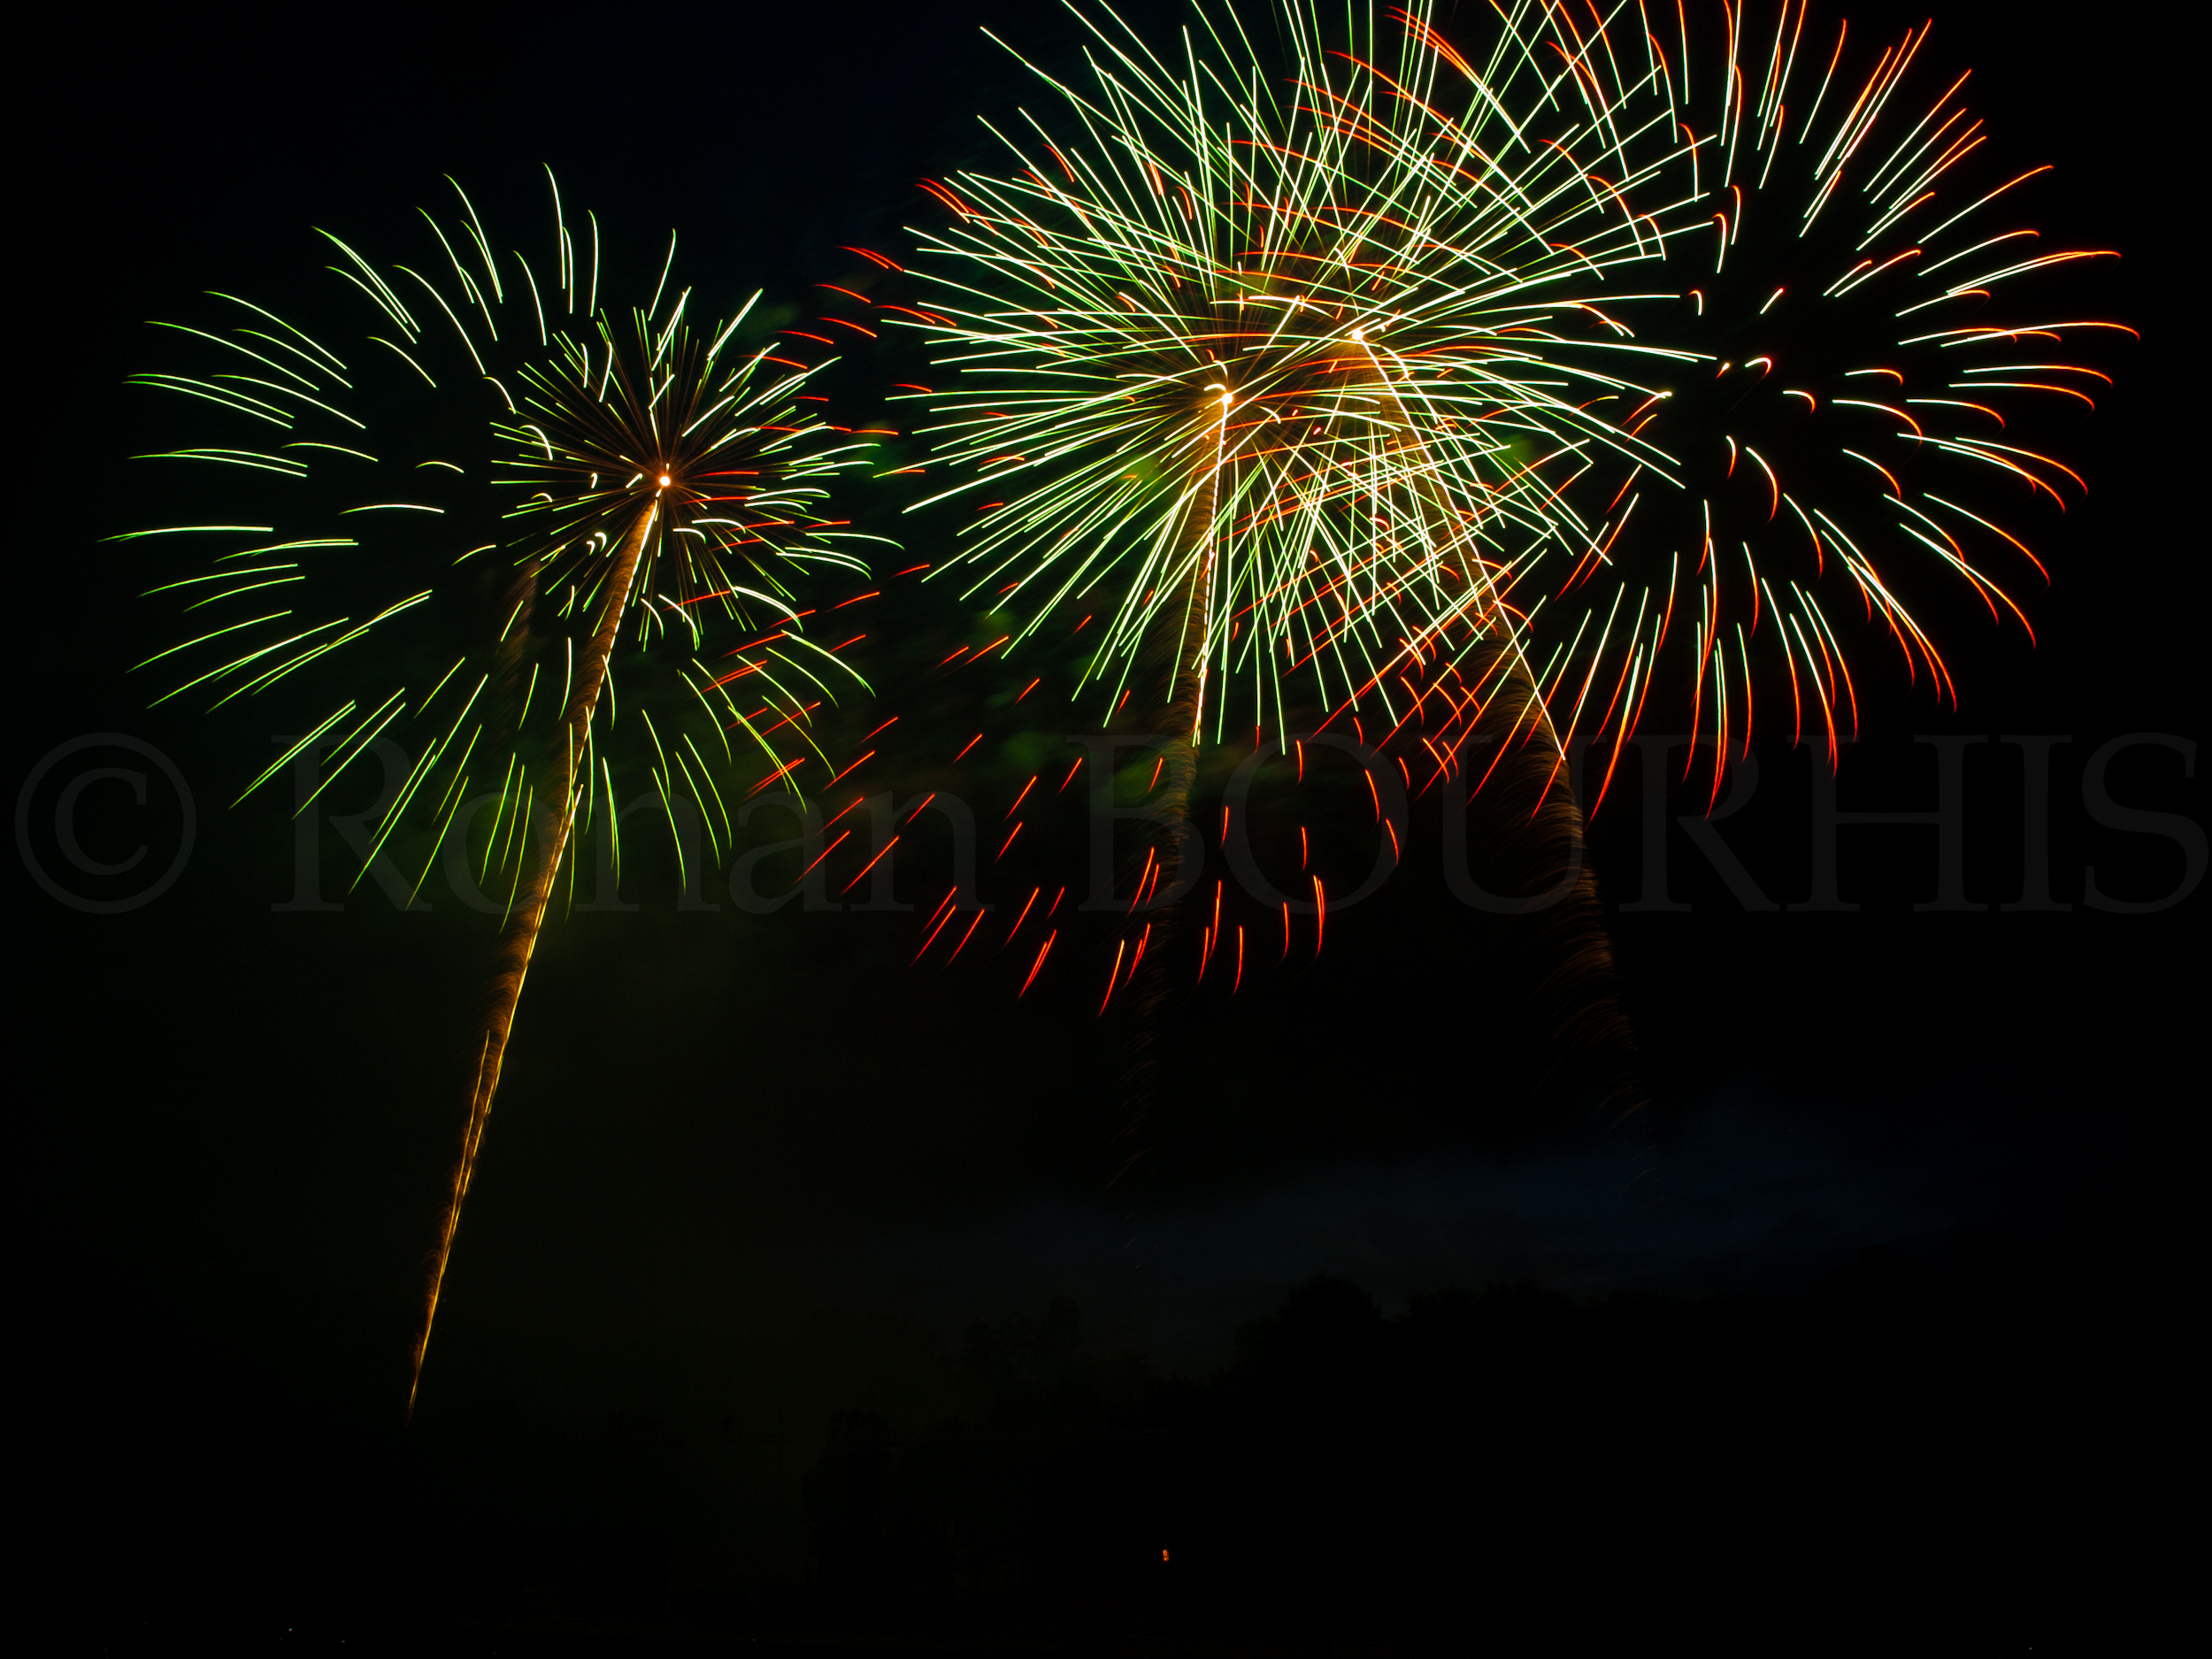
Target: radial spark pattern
(425, 496)
(1241, 366)
(1835, 381)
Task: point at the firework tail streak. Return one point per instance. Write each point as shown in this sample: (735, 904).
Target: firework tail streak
(518, 939)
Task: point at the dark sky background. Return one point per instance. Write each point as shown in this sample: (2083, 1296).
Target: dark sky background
(749, 1169)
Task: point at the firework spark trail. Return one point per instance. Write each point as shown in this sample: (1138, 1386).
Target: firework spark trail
(623, 484)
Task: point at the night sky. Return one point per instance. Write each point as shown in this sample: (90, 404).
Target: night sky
(750, 1172)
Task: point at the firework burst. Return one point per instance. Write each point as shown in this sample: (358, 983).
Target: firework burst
(1833, 380)
(1240, 366)
(480, 494)
(1238, 357)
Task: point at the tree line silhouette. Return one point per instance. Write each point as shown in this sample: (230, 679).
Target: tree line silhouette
(1957, 1450)
(1899, 1444)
